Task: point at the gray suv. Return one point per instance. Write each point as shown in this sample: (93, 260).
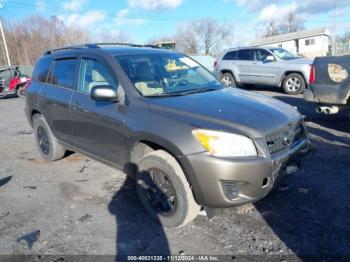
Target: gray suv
(271, 66)
(166, 121)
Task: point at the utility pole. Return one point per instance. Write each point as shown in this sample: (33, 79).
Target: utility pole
(5, 44)
(2, 5)
(334, 42)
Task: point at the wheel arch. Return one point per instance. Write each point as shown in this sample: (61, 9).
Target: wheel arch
(143, 146)
(288, 72)
(32, 113)
(224, 71)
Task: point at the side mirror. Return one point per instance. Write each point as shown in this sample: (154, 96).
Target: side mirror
(269, 58)
(104, 93)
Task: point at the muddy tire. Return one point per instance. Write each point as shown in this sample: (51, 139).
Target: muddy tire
(294, 84)
(228, 80)
(164, 191)
(46, 143)
(21, 92)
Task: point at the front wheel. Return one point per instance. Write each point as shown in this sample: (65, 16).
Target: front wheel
(228, 80)
(164, 191)
(294, 84)
(21, 92)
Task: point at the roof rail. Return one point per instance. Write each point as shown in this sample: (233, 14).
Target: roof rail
(96, 45)
(49, 52)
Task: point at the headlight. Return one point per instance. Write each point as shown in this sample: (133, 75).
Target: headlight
(222, 144)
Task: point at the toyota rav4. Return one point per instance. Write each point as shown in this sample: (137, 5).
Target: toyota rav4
(188, 141)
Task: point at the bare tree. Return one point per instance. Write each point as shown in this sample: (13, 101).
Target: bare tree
(210, 33)
(344, 37)
(186, 40)
(200, 37)
(271, 28)
(29, 38)
(292, 23)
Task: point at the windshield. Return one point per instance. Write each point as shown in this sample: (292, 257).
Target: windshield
(166, 74)
(283, 53)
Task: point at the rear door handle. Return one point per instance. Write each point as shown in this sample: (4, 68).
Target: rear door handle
(42, 96)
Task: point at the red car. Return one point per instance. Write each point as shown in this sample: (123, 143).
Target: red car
(13, 82)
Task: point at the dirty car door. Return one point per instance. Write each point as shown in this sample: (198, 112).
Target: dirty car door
(97, 125)
(55, 97)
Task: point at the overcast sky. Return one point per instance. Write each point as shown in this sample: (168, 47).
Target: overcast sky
(146, 19)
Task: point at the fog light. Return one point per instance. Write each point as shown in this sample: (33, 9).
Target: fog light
(230, 189)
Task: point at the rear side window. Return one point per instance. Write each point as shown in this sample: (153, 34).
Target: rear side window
(64, 73)
(230, 56)
(245, 54)
(41, 70)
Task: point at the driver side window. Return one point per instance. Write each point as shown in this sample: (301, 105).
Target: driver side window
(261, 54)
(93, 74)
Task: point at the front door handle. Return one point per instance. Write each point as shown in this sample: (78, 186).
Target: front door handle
(76, 106)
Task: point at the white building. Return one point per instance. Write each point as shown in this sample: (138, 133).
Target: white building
(309, 43)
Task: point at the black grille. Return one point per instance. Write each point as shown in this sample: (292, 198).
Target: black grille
(286, 138)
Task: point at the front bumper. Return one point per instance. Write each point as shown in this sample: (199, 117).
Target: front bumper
(253, 178)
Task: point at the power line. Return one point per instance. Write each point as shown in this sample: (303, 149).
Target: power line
(112, 14)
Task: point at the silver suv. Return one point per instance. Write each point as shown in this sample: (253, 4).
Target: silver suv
(267, 66)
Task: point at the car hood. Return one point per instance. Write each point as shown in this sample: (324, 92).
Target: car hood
(228, 109)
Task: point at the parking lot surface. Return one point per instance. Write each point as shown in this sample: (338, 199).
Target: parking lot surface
(82, 206)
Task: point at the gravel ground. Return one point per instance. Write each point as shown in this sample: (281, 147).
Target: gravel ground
(82, 207)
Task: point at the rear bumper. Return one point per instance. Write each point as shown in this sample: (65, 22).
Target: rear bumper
(309, 95)
(217, 179)
(327, 94)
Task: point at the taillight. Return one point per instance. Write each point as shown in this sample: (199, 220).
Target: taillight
(215, 64)
(312, 74)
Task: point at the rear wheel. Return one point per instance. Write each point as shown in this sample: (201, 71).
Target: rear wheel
(21, 92)
(164, 191)
(294, 84)
(47, 144)
(228, 80)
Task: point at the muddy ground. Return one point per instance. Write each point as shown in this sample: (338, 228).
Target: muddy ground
(82, 207)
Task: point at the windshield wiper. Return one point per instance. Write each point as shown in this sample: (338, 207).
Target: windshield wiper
(163, 94)
(198, 90)
(182, 93)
